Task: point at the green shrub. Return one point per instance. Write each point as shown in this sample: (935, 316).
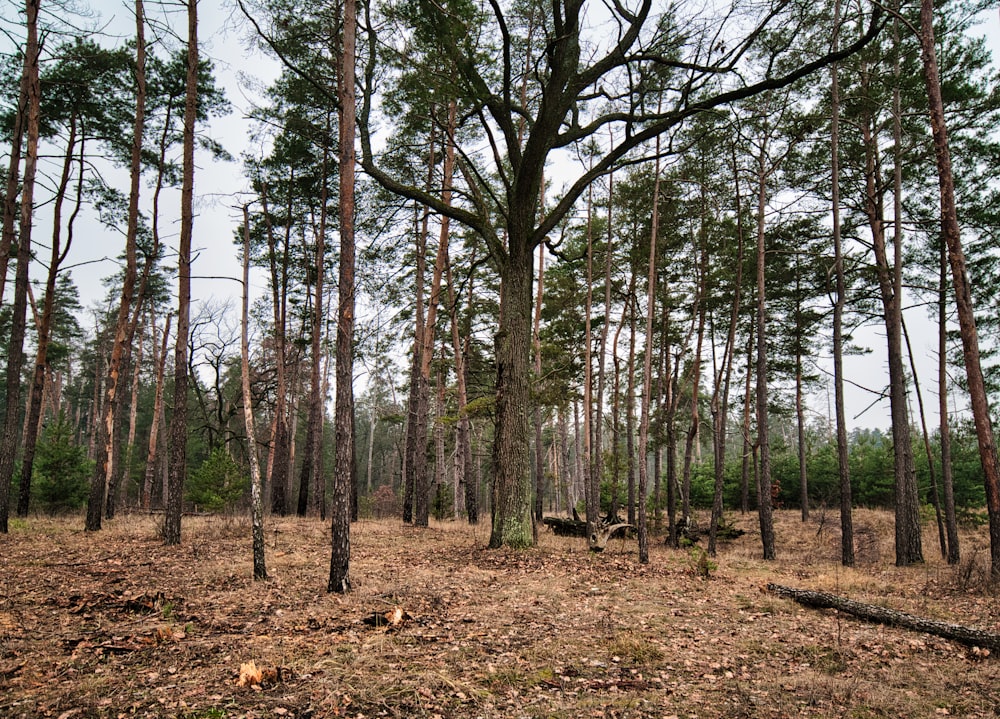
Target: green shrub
(217, 484)
(61, 468)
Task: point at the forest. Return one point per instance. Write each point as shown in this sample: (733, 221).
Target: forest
(515, 260)
(558, 331)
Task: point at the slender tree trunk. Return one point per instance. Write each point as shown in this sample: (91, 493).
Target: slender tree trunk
(720, 397)
(536, 343)
(592, 490)
(463, 436)
(800, 413)
(102, 479)
(947, 481)
(11, 425)
(10, 209)
(344, 469)
(58, 253)
(312, 464)
(278, 461)
(693, 432)
(602, 357)
(963, 295)
(133, 414)
(154, 429)
(843, 449)
(934, 494)
(256, 485)
(178, 420)
(630, 448)
(645, 399)
(764, 498)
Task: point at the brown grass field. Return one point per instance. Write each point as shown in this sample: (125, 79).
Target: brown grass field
(114, 624)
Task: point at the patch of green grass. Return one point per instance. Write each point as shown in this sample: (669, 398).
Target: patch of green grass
(828, 660)
(635, 649)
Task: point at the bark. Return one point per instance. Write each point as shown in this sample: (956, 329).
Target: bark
(877, 614)
(511, 500)
(15, 360)
(178, 420)
(963, 295)
(256, 486)
(344, 470)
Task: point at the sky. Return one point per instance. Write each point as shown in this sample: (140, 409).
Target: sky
(220, 189)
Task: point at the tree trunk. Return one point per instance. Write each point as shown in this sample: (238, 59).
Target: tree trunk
(963, 295)
(104, 467)
(843, 449)
(154, 428)
(463, 435)
(178, 420)
(343, 475)
(933, 494)
(947, 481)
(256, 487)
(312, 459)
(11, 425)
(32, 424)
(536, 343)
(720, 397)
(882, 615)
(591, 477)
(645, 399)
(511, 495)
(764, 496)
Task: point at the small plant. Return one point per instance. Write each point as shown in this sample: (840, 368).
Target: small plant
(700, 563)
(217, 484)
(62, 469)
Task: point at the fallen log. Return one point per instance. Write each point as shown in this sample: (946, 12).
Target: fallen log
(970, 636)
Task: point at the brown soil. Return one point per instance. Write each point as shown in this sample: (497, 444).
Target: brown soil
(114, 624)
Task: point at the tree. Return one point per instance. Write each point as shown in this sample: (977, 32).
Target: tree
(843, 463)
(124, 328)
(963, 297)
(11, 426)
(343, 476)
(571, 100)
(178, 420)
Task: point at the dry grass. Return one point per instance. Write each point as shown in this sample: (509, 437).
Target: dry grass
(113, 624)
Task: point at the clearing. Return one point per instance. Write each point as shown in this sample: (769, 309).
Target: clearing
(114, 624)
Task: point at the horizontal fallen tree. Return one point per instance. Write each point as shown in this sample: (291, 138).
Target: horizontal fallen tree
(970, 636)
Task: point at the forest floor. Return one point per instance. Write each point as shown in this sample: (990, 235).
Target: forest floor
(115, 624)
